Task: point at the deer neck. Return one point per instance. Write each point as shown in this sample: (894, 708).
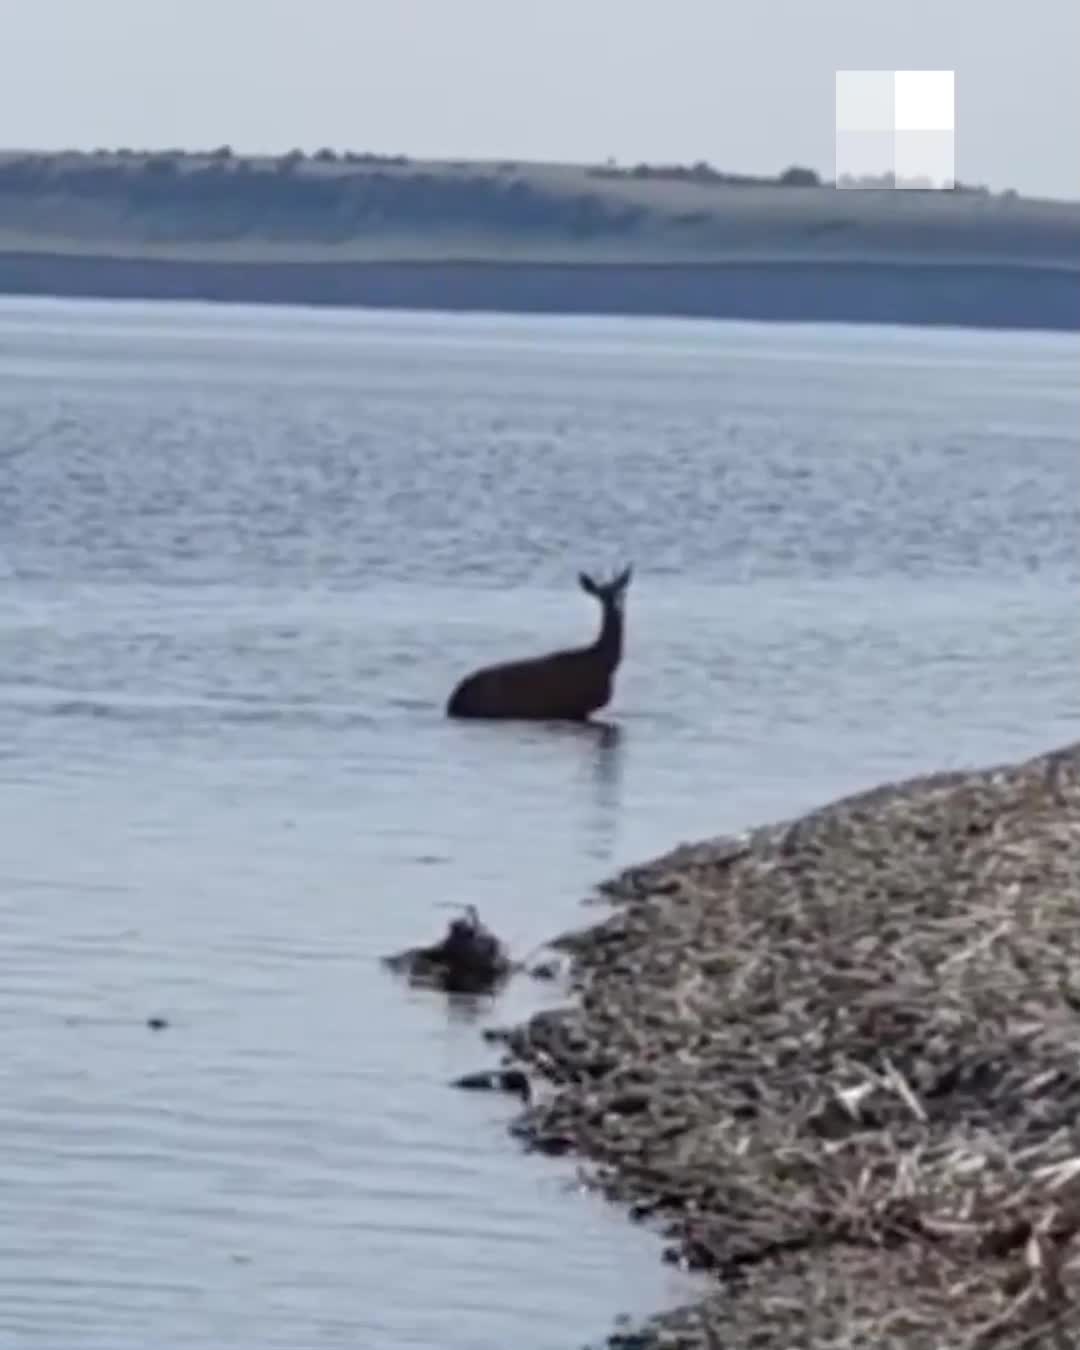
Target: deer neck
(609, 643)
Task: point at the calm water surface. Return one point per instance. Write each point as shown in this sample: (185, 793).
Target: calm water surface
(243, 556)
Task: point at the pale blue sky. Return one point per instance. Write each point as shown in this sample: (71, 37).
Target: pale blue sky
(746, 84)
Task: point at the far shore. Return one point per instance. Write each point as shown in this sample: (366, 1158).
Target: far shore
(515, 237)
(981, 294)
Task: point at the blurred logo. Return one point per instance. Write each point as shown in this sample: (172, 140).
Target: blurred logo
(896, 129)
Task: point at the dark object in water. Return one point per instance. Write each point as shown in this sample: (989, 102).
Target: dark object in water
(565, 685)
(497, 1080)
(157, 1023)
(546, 970)
(469, 960)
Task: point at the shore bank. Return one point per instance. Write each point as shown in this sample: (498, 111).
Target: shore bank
(976, 295)
(837, 1062)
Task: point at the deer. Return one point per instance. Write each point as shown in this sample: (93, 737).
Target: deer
(562, 686)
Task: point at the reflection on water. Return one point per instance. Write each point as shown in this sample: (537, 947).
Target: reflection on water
(607, 766)
(593, 756)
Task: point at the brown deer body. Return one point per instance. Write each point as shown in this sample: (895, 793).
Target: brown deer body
(566, 685)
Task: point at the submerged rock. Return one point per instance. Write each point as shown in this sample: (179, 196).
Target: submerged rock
(496, 1080)
(469, 960)
(546, 970)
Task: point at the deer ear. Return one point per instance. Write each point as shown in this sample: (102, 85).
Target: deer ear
(587, 584)
(623, 579)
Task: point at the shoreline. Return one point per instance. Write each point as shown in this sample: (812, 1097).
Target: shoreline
(980, 295)
(836, 1062)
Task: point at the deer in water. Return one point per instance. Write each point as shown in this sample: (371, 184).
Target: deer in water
(567, 685)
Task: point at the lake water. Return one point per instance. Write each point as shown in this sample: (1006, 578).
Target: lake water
(244, 554)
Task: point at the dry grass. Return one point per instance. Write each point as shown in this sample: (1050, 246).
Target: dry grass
(840, 1061)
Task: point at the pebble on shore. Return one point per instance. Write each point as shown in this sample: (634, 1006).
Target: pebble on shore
(838, 1062)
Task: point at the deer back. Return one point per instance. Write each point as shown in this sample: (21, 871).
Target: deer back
(563, 684)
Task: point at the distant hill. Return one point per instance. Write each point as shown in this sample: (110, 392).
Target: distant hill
(380, 208)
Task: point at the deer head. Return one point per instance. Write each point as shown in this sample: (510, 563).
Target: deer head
(607, 592)
(611, 595)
